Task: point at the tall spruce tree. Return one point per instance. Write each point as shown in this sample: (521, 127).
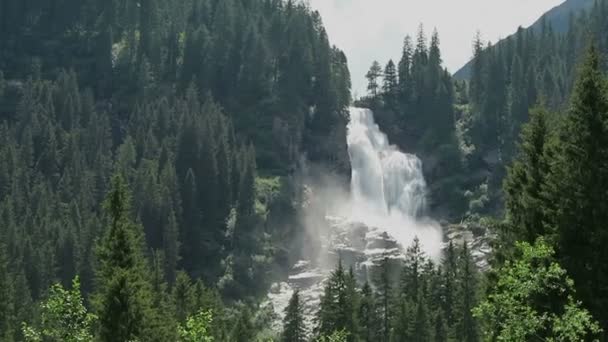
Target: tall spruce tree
(124, 296)
(294, 327)
(374, 73)
(525, 181)
(368, 318)
(466, 326)
(390, 86)
(576, 186)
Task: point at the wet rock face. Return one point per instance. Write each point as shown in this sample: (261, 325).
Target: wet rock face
(355, 244)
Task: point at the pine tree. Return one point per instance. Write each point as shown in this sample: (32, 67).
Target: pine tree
(294, 327)
(6, 297)
(411, 278)
(327, 318)
(421, 330)
(450, 274)
(384, 299)
(577, 200)
(405, 80)
(476, 85)
(466, 326)
(390, 87)
(367, 315)
(374, 73)
(402, 322)
(525, 181)
(243, 330)
(123, 296)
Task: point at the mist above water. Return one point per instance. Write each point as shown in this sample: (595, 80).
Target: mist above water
(388, 190)
(377, 217)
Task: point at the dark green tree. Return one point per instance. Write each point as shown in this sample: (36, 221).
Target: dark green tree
(390, 87)
(579, 173)
(525, 181)
(124, 296)
(374, 73)
(294, 327)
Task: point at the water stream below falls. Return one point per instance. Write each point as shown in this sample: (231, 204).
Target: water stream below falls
(382, 215)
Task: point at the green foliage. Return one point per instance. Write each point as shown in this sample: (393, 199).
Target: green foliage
(123, 297)
(576, 199)
(294, 327)
(63, 317)
(525, 181)
(196, 328)
(336, 336)
(515, 310)
(431, 303)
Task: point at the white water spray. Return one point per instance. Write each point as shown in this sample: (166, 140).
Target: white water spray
(388, 189)
(378, 219)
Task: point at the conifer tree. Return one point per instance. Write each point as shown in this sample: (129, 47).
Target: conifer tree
(466, 326)
(294, 328)
(578, 202)
(476, 85)
(368, 318)
(405, 81)
(123, 296)
(385, 291)
(411, 277)
(525, 181)
(6, 297)
(243, 330)
(390, 87)
(421, 330)
(374, 73)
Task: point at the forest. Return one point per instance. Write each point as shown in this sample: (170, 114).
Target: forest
(150, 190)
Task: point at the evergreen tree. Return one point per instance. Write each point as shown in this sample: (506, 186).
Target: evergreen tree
(6, 297)
(294, 328)
(374, 73)
(243, 330)
(405, 81)
(525, 181)
(421, 330)
(123, 296)
(411, 278)
(390, 87)
(477, 73)
(368, 318)
(579, 174)
(385, 291)
(466, 327)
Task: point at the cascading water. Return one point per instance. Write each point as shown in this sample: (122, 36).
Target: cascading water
(381, 215)
(385, 181)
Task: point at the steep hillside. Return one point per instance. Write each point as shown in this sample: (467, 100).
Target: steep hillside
(558, 18)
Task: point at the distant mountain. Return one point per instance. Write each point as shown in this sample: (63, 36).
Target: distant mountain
(558, 17)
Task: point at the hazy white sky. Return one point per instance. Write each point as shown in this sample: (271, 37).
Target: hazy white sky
(374, 29)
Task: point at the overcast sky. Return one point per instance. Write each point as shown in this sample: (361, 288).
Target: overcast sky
(374, 29)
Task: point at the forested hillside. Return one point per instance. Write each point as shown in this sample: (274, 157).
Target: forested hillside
(472, 128)
(201, 111)
(149, 178)
(560, 18)
(528, 134)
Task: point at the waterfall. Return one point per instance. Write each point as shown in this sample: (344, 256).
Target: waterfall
(380, 216)
(385, 181)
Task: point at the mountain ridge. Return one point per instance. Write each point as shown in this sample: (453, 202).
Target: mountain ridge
(558, 17)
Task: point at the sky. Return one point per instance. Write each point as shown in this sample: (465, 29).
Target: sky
(368, 30)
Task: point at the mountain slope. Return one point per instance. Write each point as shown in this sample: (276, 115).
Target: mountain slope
(558, 18)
